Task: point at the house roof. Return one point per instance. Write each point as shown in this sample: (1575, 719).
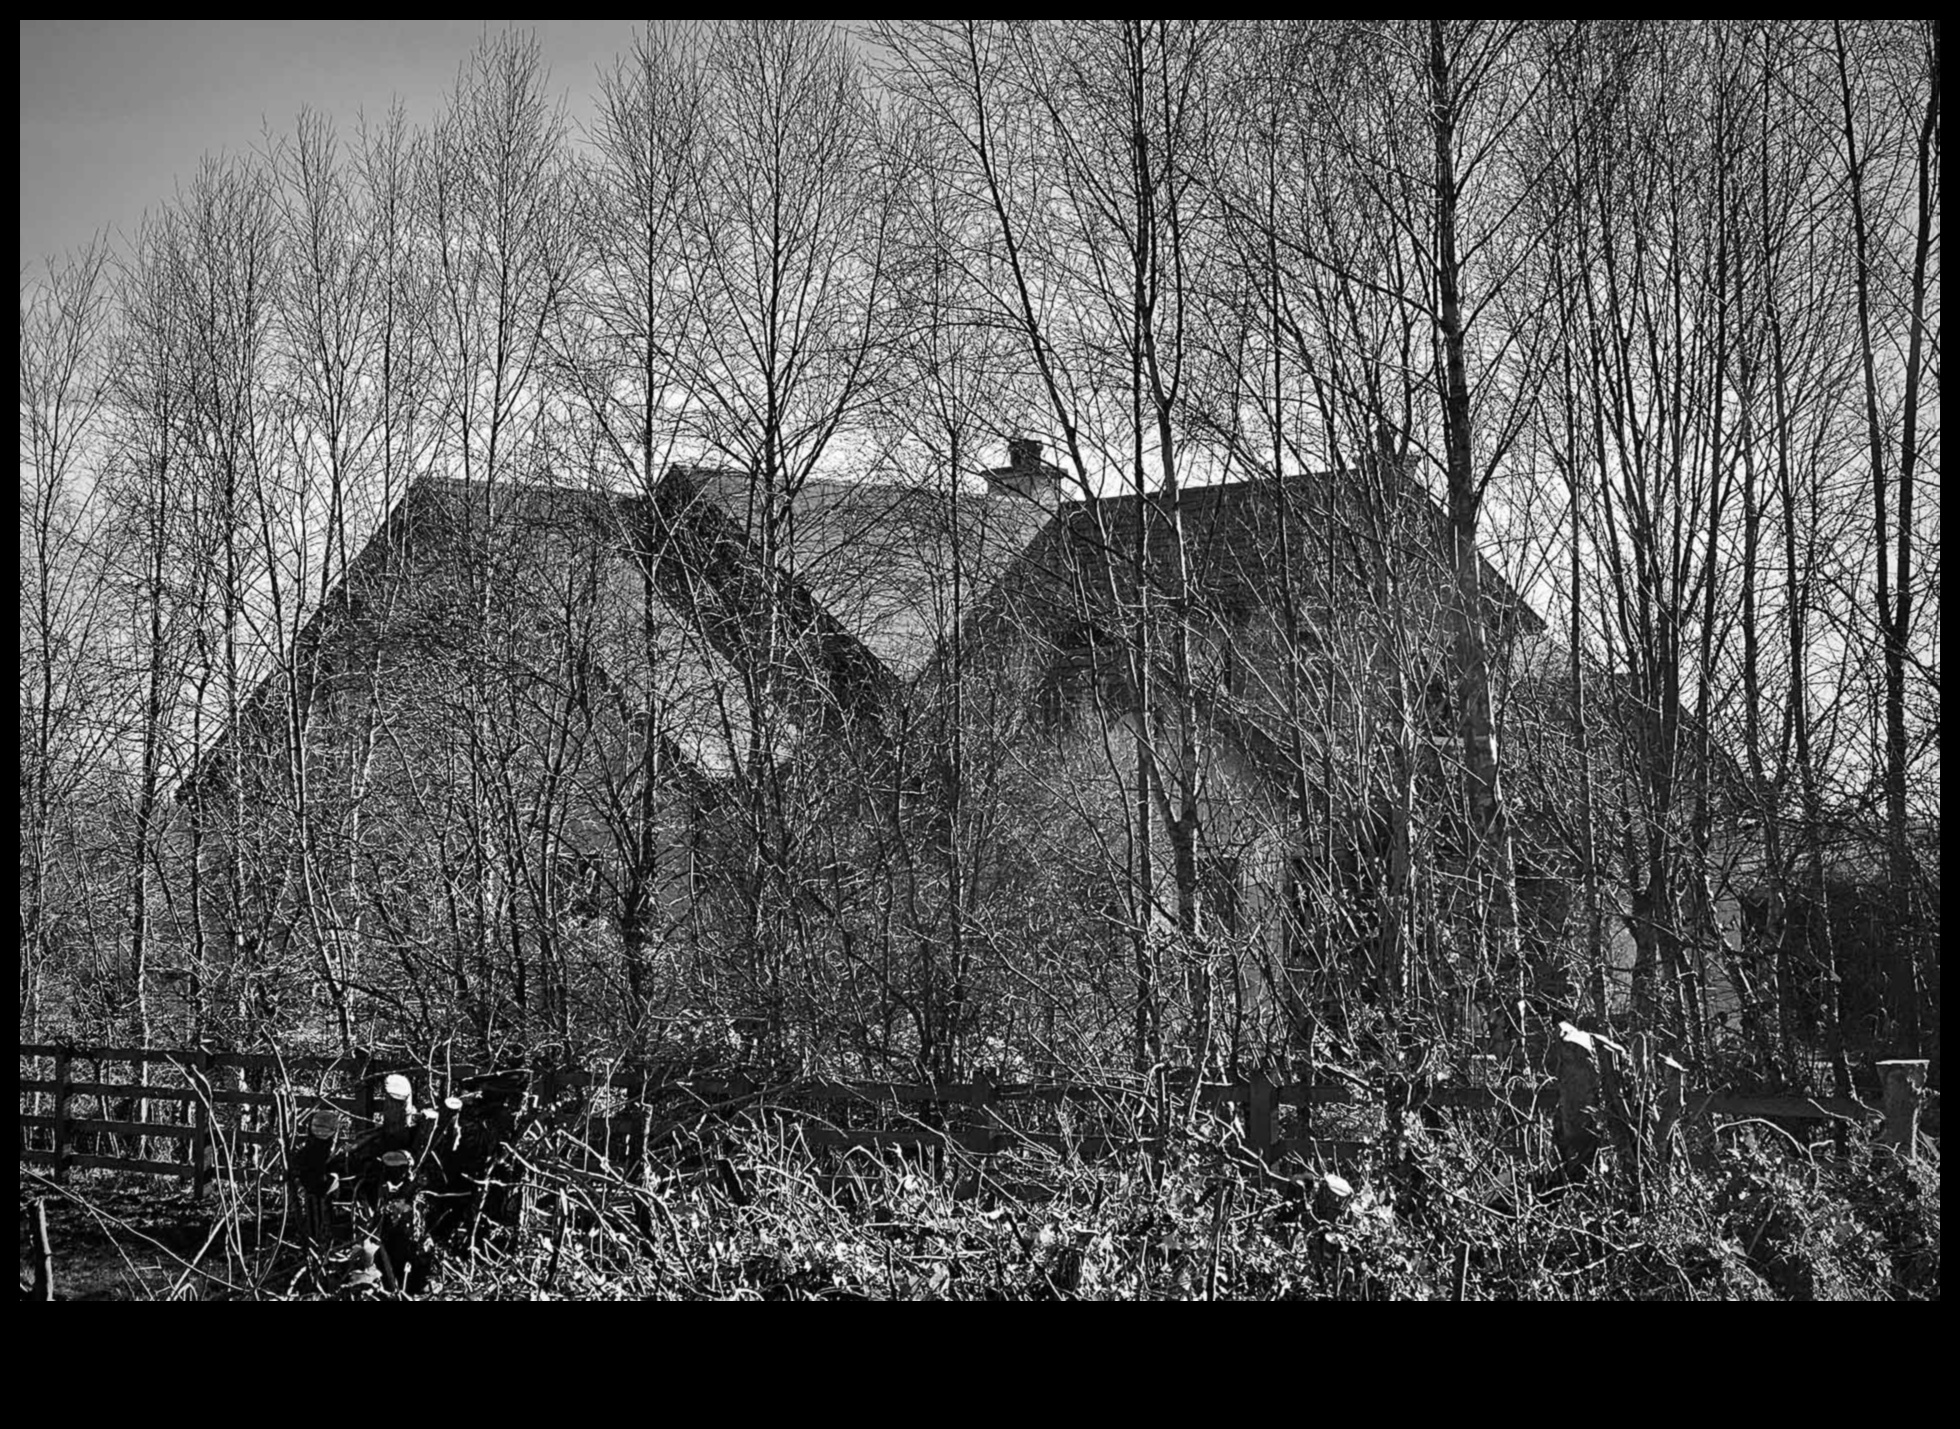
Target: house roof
(1330, 535)
(889, 563)
(868, 577)
(1346, 550)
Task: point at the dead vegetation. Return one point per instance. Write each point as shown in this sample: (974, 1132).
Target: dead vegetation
(745, 1209)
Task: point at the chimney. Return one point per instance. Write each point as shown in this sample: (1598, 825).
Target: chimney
(1027, 475)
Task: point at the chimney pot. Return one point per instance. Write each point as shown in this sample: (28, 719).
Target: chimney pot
(1023, 454)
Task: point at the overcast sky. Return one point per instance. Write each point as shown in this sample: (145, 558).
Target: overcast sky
(113, 114)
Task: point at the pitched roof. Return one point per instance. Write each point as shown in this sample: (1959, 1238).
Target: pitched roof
(889, 563)
(868, 577)
(1327, 534)
(865, 585)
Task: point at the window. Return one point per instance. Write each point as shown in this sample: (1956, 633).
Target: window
(1439, 700)
(1078, 649)
(1219, 891)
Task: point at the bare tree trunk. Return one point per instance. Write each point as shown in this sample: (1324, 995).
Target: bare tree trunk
(1489, 814)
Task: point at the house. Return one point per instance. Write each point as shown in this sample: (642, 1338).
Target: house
(555, 755)
(526, 710)
(1263, 666)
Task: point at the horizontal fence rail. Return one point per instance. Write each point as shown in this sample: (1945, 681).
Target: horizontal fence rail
(197, 1115)
(173, 1112)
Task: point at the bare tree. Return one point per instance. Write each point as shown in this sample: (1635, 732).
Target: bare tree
(66, 701)
(1890, 148)
(628, 324)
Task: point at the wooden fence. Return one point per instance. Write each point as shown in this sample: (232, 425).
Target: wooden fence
(173, 1112)
(224, 1114)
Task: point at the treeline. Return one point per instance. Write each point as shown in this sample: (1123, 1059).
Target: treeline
(1647, 313)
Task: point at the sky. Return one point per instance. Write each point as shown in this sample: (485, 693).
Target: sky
(115, 114)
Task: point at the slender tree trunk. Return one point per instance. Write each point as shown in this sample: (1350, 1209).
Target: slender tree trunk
(1490, 817)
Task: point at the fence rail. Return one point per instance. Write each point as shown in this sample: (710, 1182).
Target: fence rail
(223, 1125)
(177, 1112)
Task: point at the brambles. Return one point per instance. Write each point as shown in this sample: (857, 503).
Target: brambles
(753, 1214)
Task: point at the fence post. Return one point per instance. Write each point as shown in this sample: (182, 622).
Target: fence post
(1578, 1100)
(1157, 1122)
(201, 1155)
(1905, 1083)
(980, 1098)
(1674, 1099)
(61, 1115)
(140, 1105)
(1260, 1094)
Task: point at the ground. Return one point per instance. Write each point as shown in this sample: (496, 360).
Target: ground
(118, 1237)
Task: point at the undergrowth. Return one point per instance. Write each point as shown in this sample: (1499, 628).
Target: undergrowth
(1739, 1215)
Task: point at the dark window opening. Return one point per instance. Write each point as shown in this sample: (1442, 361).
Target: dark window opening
(1219, 892)
(1079, 649)
(1439, 701)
